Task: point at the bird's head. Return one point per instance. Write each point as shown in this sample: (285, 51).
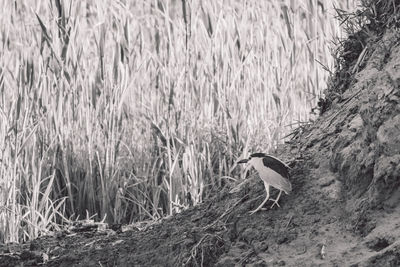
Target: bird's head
(252, 157)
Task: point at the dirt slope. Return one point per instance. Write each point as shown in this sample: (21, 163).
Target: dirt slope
(343, 211)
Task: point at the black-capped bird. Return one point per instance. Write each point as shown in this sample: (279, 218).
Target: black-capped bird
(273, 172)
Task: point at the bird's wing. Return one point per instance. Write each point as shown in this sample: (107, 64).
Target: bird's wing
(276, 165)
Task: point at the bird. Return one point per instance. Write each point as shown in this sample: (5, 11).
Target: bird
(273, 172)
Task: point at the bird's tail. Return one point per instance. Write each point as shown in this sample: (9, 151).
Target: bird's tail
(286, 186)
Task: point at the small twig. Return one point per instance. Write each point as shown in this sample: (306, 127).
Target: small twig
(323, 252)
(343, 104)
(193, 251)
(288, 222)
(247, 256)
(229, 210)
(238, 187)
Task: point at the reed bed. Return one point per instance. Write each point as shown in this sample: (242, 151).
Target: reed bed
(134, 110)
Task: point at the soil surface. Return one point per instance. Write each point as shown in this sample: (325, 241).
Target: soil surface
(343, 211)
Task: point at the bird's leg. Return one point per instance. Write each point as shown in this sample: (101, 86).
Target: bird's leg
(276, 200)
(266, 199)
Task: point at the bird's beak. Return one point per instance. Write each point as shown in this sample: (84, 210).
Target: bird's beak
(243, 161)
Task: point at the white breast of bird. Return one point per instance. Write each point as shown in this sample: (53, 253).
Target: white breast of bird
(271, 177)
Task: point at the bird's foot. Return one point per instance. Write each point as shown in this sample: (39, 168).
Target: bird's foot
(257, 209)
(252, 212)
(275, 203)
